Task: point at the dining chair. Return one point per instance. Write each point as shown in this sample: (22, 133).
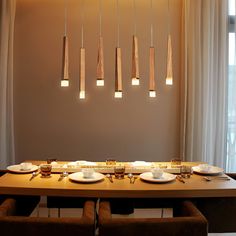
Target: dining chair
(25, 205)
(10, 225)
(188, 221)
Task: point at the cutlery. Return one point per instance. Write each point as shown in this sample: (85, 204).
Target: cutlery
(130, 176)
(62, 175)
(218, 177)
(34, 174)
(180, 179)
(109, 177)
(134, 178)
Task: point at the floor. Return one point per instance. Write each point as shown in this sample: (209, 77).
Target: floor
(42, 211)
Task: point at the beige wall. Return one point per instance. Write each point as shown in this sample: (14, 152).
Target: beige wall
(51, 122)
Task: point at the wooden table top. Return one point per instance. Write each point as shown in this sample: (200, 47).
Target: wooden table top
(196, 186)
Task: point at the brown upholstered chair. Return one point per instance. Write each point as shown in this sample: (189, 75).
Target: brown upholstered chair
(11, 225)
(24, 205)
(189, 222)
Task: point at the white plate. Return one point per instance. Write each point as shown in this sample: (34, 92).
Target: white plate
(17, 169)
(78, 177)
(166, 177)
(213, 171)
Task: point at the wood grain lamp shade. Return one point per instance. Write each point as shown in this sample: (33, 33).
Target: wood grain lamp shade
(135, 62)
(169, 77)
(100, 63)
(65, 63)
(118, 74)
(152, 89)
(82, 74)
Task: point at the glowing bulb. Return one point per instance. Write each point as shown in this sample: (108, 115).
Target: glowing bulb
(169, 81)
(100, 82)
(64, 83)
(118, 94)
(82, 94)
(135, 81)
(152, 94)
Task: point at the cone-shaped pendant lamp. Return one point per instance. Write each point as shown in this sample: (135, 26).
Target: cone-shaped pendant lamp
(118, 61)
(65, 55)
(135, 62)
(100, 59)
(100, 63)
(82, 74)
(169, 76)
(135, 57)
(152, 88)
(118, 74)
(82, 59)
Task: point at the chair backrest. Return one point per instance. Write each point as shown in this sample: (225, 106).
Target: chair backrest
(191, 222)
(38, 226)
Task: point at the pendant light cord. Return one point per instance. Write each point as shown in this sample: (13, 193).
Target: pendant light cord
(168, 16)
(151, 20)
(82, 24)
(134, 17)
(100, 18)
(118, 23)
(65, 16)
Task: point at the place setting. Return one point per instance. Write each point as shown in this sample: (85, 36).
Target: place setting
(210, 172)
(86, 175)
(157, 175)
(23, 168)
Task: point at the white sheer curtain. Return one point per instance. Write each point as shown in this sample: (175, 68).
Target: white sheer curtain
(231, 137)
(7, 17)
(204, 84)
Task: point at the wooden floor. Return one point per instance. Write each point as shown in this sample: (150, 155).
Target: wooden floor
(43, 211)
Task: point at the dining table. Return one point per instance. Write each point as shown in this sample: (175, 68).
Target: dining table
(56, 185)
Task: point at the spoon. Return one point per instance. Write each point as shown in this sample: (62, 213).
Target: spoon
(34, 174)
(130, 176)
(109, 177)
(62, 175)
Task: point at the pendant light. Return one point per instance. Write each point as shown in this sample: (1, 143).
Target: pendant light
(65, 55)
(118, 61)
(100, 59)
(82, 58)
(152, 89)
(135, 57)
(169, 77)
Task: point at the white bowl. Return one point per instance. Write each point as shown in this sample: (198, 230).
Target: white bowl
(157, 173)
(88, 173)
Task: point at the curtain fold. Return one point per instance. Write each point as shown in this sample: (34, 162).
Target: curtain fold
(204, 81)
(7, 18)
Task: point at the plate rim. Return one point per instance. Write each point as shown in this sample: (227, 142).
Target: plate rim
(33, 168)
(157, 180)
(82, 180)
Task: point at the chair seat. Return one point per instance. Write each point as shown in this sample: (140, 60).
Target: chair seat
(189, 222)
